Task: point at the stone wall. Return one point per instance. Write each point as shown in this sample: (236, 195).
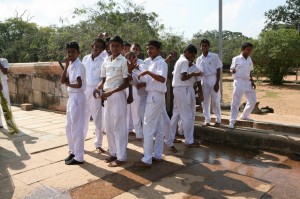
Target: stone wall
(38, 84)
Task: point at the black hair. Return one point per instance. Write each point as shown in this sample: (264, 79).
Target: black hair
(126, 44)
(73, 44)
(191, 49)
(116, 39)
(98, 40)
(107, 39)
(130, 54)
(136, 44)
(154, 43)
(245, 45)
(205, 41)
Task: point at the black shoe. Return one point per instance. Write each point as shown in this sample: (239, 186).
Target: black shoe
(70, 157)
(73, 162)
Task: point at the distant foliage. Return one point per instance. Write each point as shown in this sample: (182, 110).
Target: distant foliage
(275, 52)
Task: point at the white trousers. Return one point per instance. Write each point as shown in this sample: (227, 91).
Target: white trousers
(5, 92)
(184, 109)
(115, 124)
(138, 111)
(242, 87)
(130, 126)
(153, 126)
(94, 109)
(75, 124)
(209, 94)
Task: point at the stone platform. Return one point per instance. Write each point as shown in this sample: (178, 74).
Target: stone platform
(32, 167)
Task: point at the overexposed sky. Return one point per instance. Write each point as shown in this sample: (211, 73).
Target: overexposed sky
(179, 16)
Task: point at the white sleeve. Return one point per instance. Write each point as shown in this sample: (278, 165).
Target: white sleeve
(233, 64)
(4, 62)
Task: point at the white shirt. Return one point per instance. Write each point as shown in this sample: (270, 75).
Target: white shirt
(93, 69)
(114, 71)
(192, 80)
(135, 73)
(209, 65)
(104, 54)
(157, 66)
(76, 69)
(181, 66)
(242, 66)
(5, 64)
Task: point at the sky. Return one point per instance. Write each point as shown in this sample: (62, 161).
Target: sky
(185, 17)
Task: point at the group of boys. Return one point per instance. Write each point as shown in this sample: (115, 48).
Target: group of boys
(133, 91)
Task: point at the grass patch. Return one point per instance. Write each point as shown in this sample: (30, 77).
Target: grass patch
(270, 94)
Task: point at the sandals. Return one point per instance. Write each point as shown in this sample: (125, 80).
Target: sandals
(110, 159)
(142, 164)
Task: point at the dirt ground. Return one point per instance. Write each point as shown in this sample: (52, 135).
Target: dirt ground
(284, 99)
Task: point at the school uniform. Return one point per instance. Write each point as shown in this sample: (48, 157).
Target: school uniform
(93, 106)
(140, 98)
(184, 100)
(4, 79)
(242, 85)
(153, 119)
(115, 116)
(104, 54)
(76, 110)
(209, 66)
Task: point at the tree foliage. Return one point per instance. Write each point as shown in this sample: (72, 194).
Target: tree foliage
(275, 52)
(285, 16)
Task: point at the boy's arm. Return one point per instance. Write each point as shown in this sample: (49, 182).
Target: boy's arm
(130, 96)
(157, 77)
(200, 92)
(186, 76)
(252, 82)
(4, 70)
(217, 84)
(64, 77)
(125, 84)
(78, 84)
(99, 87)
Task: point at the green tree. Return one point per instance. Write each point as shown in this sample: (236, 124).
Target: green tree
(275, 52)
(285, 16)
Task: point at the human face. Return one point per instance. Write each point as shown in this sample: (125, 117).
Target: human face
(135, 49)
(125, 50)
(152, 51)
(115, 48)
(204, 48)
(72, 54)
(97, 48)
(190, 56)
(247, 51)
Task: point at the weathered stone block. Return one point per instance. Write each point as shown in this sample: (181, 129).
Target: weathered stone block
(26, 107)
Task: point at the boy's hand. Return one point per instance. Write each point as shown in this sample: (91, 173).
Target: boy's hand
(198, 74)
(233, 70)
(140, 85)
(143, 73)
(105, 95)
(170, 57)
(216, 87)
(200, 95)
(95, 92)
(132, 65)
(129, 99)
(253, 84)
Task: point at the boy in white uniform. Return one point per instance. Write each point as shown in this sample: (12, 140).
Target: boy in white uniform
(241, 68)
(156, 77)
(114, 74)
(74, 77)
(139, 94)
(93, 63)
(184, 95)
(210, 65)
(3, 85)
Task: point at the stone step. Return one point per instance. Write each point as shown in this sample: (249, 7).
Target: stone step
(250, 138)
(255, 124)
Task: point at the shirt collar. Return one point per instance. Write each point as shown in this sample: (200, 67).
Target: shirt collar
(119, 57)
(96, 58)
(208, 55)
(156, 58)
(241, 56)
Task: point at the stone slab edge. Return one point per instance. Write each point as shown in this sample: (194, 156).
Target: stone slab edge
(248, 139)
